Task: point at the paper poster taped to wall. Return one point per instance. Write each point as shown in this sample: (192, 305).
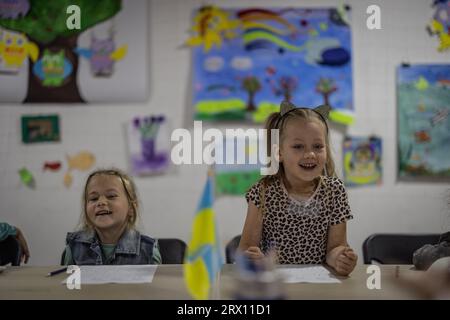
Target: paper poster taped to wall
(237, 178)
(362, 161)
(148, 141)
(41, 128)
(246, 61)
(423, 99)
(42, 60)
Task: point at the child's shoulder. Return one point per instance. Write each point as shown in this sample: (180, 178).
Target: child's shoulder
(147, 239)
(267, 183)
(334, 183)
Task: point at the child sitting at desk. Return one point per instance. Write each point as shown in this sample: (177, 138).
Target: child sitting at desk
(7, 230)
(302, 210)
(108, 235)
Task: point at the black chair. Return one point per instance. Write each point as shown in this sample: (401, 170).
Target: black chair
(63, 257)
(231, 247)
(395, 248)
(172, 250)
(10, 251)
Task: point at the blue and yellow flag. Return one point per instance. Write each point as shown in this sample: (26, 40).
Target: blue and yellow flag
(203, 258)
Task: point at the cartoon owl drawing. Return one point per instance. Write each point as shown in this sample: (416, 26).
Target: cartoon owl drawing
(53, 68)
(101, 62)
(14, 49)
(102, 55)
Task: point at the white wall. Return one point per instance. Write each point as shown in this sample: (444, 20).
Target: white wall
(48, 212)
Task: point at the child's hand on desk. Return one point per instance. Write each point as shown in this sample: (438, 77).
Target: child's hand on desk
(254, 253)
(345, 260)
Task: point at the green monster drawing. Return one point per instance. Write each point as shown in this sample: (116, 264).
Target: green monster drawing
(53, 68)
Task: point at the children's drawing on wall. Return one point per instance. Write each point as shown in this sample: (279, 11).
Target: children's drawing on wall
(423, 98)
(14, 9)
(102, 55)
(52, 166)
(237, 178)
(362, 161)
(248, 60)
(149, 146)
(53, 69)
(27, 178)
(439, 26)
(40, 128)
(14, 49)
(82, 161)
(52, 51)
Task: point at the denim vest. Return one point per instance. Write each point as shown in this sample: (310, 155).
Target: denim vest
(132, 248)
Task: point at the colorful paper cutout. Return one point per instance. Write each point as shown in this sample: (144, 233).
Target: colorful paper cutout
(53, 68)
(149, 147)
(14, 49)
(83, 161)
(52, 165)
(14, 9)
(40, 128)
(362, 161)
(423, 98)
(102, 54)
(246, 61)
(440, 25)
(26, 177)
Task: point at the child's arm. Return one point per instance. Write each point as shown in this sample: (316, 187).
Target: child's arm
(251, 234)
(339, 255)
(68, 258)
(156, 253)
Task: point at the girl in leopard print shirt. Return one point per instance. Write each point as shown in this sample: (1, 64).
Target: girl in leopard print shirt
(301, 211)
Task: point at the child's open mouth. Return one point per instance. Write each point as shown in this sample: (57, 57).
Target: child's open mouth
(308, 166)
(103, 213)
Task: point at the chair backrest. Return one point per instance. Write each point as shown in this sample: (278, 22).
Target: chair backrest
(63, 257)
(395, 248)
(231, 247)
(10, 251)
(172, 250)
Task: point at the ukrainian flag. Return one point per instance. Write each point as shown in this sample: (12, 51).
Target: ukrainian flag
(203, 258)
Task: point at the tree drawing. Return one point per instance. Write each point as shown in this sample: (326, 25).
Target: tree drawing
(285, 87)
(252, 85)
(326, 86)
(45, 25)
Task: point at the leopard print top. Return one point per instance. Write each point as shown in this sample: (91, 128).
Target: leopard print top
(298, 230)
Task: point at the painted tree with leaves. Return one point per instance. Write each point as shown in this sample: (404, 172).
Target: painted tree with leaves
(326, 86)
(285, 86)
(45, 25)
(252, 85)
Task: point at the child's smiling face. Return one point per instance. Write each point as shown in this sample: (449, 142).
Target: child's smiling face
(303, 149)
(107, 206)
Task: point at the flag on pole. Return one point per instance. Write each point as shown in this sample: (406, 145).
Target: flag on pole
(203, 258)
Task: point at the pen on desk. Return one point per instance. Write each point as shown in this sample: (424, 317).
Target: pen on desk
(397, 271)
(52, 273)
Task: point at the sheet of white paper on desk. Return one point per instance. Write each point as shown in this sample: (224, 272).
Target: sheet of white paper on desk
(309, 274)
(117, 274)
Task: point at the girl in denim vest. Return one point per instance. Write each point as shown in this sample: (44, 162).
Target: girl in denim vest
(108, 235)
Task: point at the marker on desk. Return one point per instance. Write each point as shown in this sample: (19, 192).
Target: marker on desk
(52, 273)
